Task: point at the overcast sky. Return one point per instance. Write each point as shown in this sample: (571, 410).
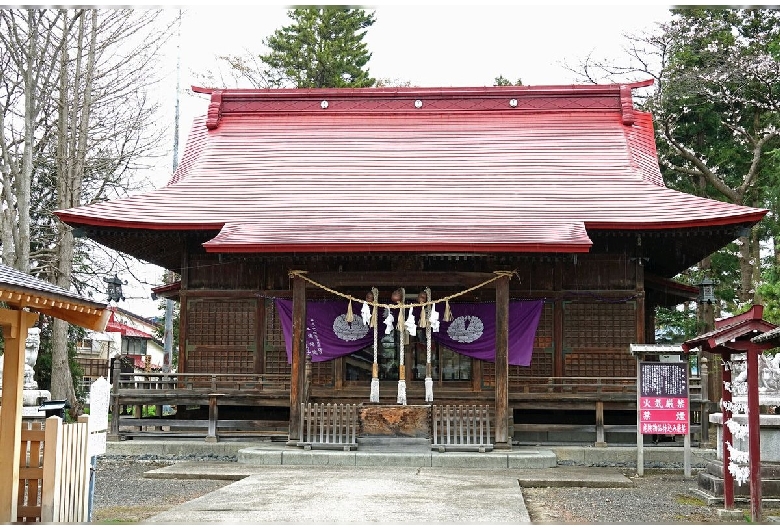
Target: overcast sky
(430, 45)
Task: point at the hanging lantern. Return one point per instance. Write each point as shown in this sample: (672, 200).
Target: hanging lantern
(706, 291)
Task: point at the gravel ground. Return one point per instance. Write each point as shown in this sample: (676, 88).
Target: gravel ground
(662, 496)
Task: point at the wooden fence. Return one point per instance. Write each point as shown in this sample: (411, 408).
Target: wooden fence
(54, 472)
(328, 426)
(459, 427)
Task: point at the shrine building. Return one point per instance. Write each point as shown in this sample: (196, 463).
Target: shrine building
(528, 227)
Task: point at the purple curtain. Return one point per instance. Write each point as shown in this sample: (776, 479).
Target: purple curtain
(328, 334)
(472, 331)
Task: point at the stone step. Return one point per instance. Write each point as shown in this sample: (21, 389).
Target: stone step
(393, 444)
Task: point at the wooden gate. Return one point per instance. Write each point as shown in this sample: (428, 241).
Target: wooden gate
(54, 472)
(459, 427)
(328, 426)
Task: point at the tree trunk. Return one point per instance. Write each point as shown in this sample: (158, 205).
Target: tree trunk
(75, 106)
(745, 293)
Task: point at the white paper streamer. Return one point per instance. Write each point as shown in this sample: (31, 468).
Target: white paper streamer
(428, 389)
(411, 326)
(389, 323)
(365, 312)
(433, 318)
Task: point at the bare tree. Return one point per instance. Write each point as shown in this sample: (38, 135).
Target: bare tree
(78, 124)
(28, 51)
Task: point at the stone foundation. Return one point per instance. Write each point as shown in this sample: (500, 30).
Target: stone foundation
(710, 480)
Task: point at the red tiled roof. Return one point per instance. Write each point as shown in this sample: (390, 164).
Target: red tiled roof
(126, 331)
(743, 327)
(367, 170)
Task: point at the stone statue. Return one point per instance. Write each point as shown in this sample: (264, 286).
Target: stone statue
(768, 376)
(31, 347)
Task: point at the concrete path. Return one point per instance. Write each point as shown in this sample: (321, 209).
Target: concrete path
(307, 495)
(277, 484)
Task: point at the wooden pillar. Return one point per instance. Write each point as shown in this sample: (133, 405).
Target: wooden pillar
(705, 401)
(502, 364)
(754, 435)
(558, 360)
(14, 325)
(728, 479)
(297, 366)
(261, 316)
(600, 438)
(640, 301)
(213, 435)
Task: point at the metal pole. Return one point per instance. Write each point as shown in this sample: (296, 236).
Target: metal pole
(92, 470)
(640, 438)
(168, 336)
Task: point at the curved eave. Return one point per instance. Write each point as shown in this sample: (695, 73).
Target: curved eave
(749, 218)
(76, 220)
(400, 235)
(331, 248)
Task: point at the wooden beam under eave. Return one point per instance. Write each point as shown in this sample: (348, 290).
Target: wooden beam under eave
(94, 321)
(14, 324)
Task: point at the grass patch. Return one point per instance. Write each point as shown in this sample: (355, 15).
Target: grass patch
(126, 514)
(689, 500)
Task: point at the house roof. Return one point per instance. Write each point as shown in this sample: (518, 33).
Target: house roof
(125, 330)
(489, 169)
(20, 290)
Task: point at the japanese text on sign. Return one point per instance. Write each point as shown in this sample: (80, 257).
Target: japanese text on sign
(663, 398)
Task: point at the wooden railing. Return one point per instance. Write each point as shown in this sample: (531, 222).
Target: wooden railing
(461, 427)
(201, 381)
(598, 391)
(54, 472)
(328, 426)
(186, 389)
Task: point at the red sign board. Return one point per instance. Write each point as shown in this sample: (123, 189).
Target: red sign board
(663, 398)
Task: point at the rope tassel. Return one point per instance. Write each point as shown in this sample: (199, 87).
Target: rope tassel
(447, 312)
(374, 395)
(350, 315)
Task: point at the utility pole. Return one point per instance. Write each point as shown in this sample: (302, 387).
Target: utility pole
(168, 336)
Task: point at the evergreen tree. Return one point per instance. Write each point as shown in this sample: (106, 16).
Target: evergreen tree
(323, 48)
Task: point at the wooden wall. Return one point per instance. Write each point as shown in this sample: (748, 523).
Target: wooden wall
(594, 309)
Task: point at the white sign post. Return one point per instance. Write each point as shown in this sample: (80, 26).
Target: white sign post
(99, 394)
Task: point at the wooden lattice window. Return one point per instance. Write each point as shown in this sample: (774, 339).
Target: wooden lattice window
(322, 373)
(544, 332)
(488, 375)
(596, 364)
(541, 365)
(593, 324)
(221, 336)
(275, 349)
(220, 360)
